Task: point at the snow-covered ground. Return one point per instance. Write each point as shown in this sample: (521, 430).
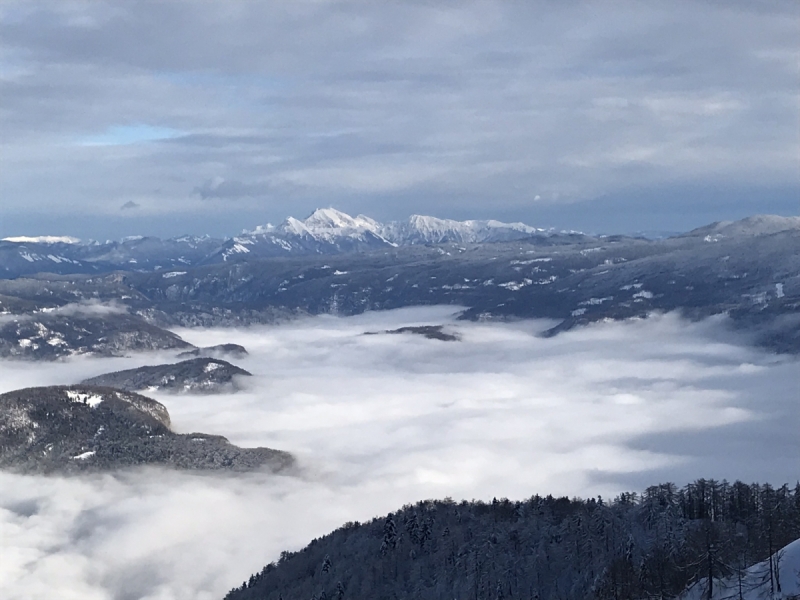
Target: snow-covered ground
(755, 583)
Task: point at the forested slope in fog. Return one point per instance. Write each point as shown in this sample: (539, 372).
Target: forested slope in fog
(651, 546)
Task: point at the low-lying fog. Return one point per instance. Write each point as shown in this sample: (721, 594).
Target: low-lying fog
(382, 420)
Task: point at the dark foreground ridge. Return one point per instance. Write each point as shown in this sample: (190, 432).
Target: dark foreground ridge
(198, 375)
(656, 545)
(72, 429)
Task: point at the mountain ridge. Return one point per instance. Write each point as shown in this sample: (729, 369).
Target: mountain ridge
(326, 231)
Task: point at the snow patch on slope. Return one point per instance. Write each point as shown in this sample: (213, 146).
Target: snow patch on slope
(756, 583)
(42, 239)
(83, 398)
(421, 229)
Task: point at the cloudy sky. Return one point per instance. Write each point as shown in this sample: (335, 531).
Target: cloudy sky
(207, 117)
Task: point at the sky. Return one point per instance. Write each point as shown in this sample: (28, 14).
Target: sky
(378, 421)
(165, 118)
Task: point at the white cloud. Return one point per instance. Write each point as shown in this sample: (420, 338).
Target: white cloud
(378, 421)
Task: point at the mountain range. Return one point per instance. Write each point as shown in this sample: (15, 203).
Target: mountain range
(325, 231)
(748, 270)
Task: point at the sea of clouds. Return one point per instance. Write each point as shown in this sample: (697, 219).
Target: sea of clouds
(378, 421)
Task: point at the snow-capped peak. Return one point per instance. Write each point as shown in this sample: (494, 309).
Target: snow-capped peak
(492, 224)
(328, 220)
(294, 226)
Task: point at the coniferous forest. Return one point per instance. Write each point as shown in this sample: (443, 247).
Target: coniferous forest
(649, 546)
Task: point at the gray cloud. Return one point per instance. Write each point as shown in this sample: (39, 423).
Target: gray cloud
(467, 109)
(219, 188)
(378, 421)
(130, 205)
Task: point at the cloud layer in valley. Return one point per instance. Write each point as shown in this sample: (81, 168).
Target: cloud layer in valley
(381, 420)
(596, 115)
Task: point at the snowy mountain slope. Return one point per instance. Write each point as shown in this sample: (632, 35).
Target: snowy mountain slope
(750, 226)
(323, 222)
(22, 256)
(329, 221)
(325, 231)
(48, 254)
(777, 578)
(430, 230)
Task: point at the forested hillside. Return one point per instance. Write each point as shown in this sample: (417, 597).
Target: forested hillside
(654, 545)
